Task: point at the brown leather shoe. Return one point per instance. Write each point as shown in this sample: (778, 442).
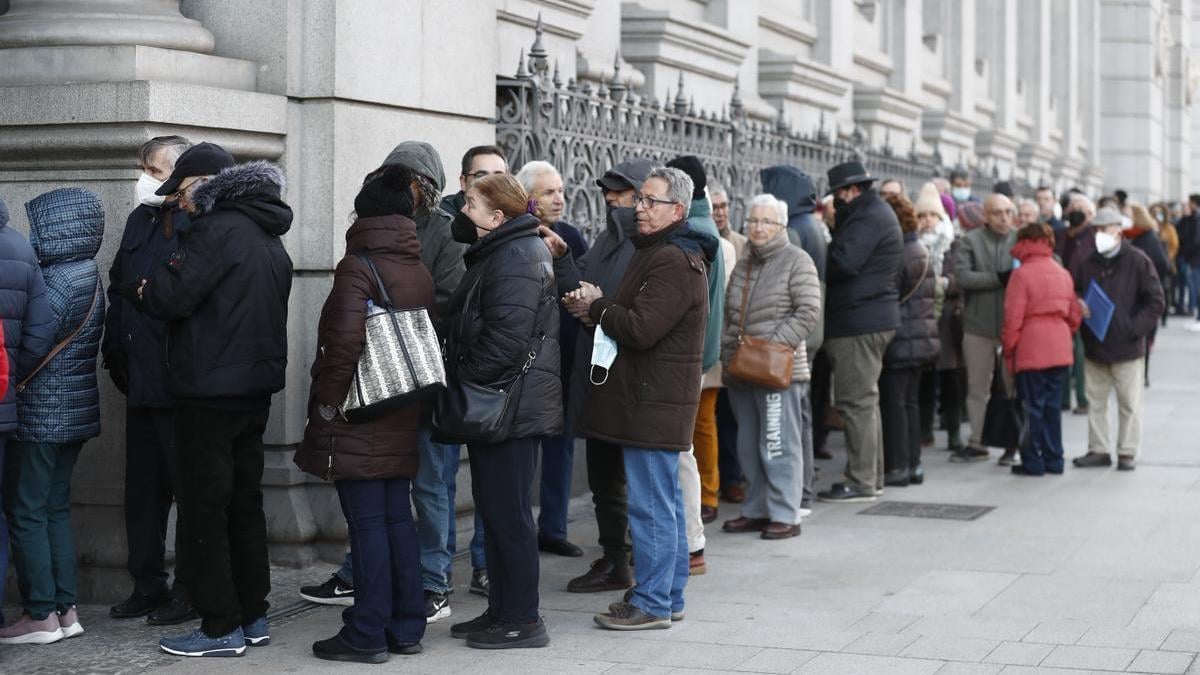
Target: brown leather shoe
(605, 575)
(780, 531)
(744, 524)
(708, 514)
(734, 493)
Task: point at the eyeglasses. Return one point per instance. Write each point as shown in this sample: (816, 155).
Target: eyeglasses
(761, 222)
(649, 202)
(183, 190)
(720, 207)
(483, 174)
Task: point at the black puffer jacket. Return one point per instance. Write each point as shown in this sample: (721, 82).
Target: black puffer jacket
(916, 342)
(861, 269)
(505, 307)
(225, 292)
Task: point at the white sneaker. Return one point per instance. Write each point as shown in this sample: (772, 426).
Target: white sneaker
(804, 513)
(69, 620)
(26, 631)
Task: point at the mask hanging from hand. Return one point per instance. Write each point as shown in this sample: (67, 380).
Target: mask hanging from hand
(145, 188)
(604, 352)
(462, 229)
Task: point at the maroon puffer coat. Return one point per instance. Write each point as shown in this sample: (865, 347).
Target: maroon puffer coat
(385, 447)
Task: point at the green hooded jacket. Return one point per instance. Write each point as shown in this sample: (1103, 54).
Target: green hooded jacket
(700, 218)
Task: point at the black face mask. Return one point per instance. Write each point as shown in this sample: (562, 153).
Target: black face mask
(462, 229)
(839, 204)
(623, 217)
(1076, 218)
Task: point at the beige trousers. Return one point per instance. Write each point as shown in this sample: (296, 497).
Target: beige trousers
(979, 353)
(1128, 378)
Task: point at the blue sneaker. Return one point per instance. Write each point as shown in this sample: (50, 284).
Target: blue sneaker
(197, 643)
(257, 633)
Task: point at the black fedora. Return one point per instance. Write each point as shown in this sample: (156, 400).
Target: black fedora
(848, 173)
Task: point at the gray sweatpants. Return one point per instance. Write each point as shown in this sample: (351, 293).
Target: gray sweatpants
(771, 450)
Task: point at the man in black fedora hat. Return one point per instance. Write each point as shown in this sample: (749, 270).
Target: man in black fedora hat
(861, 316)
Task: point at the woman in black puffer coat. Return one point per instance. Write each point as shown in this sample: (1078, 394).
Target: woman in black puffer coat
(915, 346)
(505, 320)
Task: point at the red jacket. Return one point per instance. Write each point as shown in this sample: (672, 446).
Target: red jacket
(1040, 311)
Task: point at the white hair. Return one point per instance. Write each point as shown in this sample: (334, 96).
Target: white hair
(1086, 204)
(769, 200)
(679, 185)
(532, 171)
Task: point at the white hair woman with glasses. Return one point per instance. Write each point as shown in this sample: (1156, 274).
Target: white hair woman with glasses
(774, 294)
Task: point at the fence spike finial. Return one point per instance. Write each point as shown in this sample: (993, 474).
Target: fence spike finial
(538, 56)
(557, 81)
(522, 71)
(692, 106)
(681, 102)
(615, 85)
(735, 102)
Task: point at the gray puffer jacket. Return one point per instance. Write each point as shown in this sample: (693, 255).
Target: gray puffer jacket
(784, 301)
(916, 342)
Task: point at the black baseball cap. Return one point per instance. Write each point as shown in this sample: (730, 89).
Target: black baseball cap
(202, 159)
(626, 175)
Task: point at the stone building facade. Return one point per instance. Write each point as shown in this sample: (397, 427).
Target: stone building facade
(1089, 93)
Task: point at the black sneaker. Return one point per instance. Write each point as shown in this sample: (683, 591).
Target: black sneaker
(395, 646)
(482, 622)
(176, 611)
(138, 605)
(840, 492)
(971, 453)
(1009, 458)
(558, 547)
(336, 649)
(1125, 463)
(332, 592)
(437, 606)
(510, 636)
(1093, 460)
(479, 583)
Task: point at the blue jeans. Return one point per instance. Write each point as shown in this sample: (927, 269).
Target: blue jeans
(433, 492)
(1041, 392)
(388, 597)
(558, 454)
(659, 529)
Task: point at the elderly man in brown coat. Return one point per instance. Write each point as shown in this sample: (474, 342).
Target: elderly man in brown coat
(647, 405)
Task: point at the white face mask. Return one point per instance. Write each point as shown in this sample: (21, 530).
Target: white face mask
(1106, 243)
(604, 352)
(960, 194)
(146, 187)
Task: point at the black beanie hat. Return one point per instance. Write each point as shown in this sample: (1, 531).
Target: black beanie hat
(383, 196)
(691, 165)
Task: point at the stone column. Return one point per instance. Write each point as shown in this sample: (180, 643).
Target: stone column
(1132, 74)
(150, 23)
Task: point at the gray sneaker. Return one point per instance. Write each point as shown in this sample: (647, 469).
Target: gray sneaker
(971, 453)
(616, 607)
(625, 616)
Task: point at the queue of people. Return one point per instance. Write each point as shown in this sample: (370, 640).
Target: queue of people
(694, 360)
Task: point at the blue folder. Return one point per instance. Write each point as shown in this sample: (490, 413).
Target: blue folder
(1101, 308)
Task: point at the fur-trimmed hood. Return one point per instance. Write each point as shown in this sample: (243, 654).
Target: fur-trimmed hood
(254, 188)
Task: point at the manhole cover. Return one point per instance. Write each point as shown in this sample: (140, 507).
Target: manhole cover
(926, 510)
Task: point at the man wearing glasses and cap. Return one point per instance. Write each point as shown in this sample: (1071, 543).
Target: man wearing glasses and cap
(862, 314)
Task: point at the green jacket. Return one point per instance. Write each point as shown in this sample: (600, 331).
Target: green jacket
(700, 218)
(983, 256)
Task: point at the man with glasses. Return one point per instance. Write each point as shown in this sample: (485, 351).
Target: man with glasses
(982, 269)
(862, 314)
(603, 266)
(478, 162)
(647, 405)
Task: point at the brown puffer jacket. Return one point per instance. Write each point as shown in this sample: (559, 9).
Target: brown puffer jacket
(784, 301)
(385, 447)
(916, 342)
(657, 318)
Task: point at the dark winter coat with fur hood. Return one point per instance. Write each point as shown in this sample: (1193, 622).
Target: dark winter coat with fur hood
(225, 292)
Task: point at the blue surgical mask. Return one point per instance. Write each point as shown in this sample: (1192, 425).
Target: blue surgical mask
(960, 194)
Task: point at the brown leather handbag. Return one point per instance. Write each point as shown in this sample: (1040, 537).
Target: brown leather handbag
(757, 361)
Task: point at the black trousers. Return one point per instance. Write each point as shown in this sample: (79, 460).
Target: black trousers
(502, 484)
(221, 532)
(822, 389)
(899, 412)
(728, 466)
(149, 491)
(606, 478)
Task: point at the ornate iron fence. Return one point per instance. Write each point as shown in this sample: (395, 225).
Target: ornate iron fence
(584, 131)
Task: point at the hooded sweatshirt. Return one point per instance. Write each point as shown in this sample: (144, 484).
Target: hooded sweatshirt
(795, 188)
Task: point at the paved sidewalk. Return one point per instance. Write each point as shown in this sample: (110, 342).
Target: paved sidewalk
(1089, 571)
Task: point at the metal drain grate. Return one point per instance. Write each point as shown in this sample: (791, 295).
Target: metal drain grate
(926, 510)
